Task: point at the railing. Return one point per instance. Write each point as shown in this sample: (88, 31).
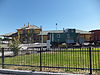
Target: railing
(63, 59)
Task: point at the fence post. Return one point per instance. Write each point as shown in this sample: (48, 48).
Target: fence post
(40, 59)
(2, 49)
(90, 57)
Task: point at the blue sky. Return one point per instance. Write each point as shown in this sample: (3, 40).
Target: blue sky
(78, 14)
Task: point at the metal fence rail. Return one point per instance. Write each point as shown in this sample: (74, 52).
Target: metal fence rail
(64, 59)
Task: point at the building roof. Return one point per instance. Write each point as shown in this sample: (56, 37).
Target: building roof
(51, 31)
(9, 34)
(56, 31)
(82, 32)
(44, 33)
(61, 31)
(30, 27)
(95, 30)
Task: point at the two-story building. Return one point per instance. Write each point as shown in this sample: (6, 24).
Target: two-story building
(28, 34)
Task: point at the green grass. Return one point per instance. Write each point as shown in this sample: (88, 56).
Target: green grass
(58, 59)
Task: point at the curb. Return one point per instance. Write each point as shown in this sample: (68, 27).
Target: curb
(22, 72)
(15, 72)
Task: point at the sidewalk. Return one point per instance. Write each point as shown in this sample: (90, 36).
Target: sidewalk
(20, 72)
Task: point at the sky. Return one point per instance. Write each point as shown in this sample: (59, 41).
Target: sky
(78, 14)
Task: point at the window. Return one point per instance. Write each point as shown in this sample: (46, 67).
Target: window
(24, 31)
(31, 30)
(72, 30)
(68, 35)
(58, 35)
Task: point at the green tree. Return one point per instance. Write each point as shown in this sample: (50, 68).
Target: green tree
(14, 46)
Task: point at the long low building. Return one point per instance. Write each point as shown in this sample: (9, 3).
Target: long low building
(34, 34)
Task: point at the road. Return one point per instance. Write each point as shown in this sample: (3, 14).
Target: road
(7, 74)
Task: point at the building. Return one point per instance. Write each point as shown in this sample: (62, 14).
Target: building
(28, 34)
(84, 36)
(7, 38)
(34, 34)
(43, 36)
(95, 37)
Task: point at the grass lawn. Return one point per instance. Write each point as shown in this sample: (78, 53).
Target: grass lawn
(60, 58)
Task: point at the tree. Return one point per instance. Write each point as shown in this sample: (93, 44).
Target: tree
(14, 46)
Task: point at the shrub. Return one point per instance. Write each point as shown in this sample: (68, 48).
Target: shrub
(14, 46)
